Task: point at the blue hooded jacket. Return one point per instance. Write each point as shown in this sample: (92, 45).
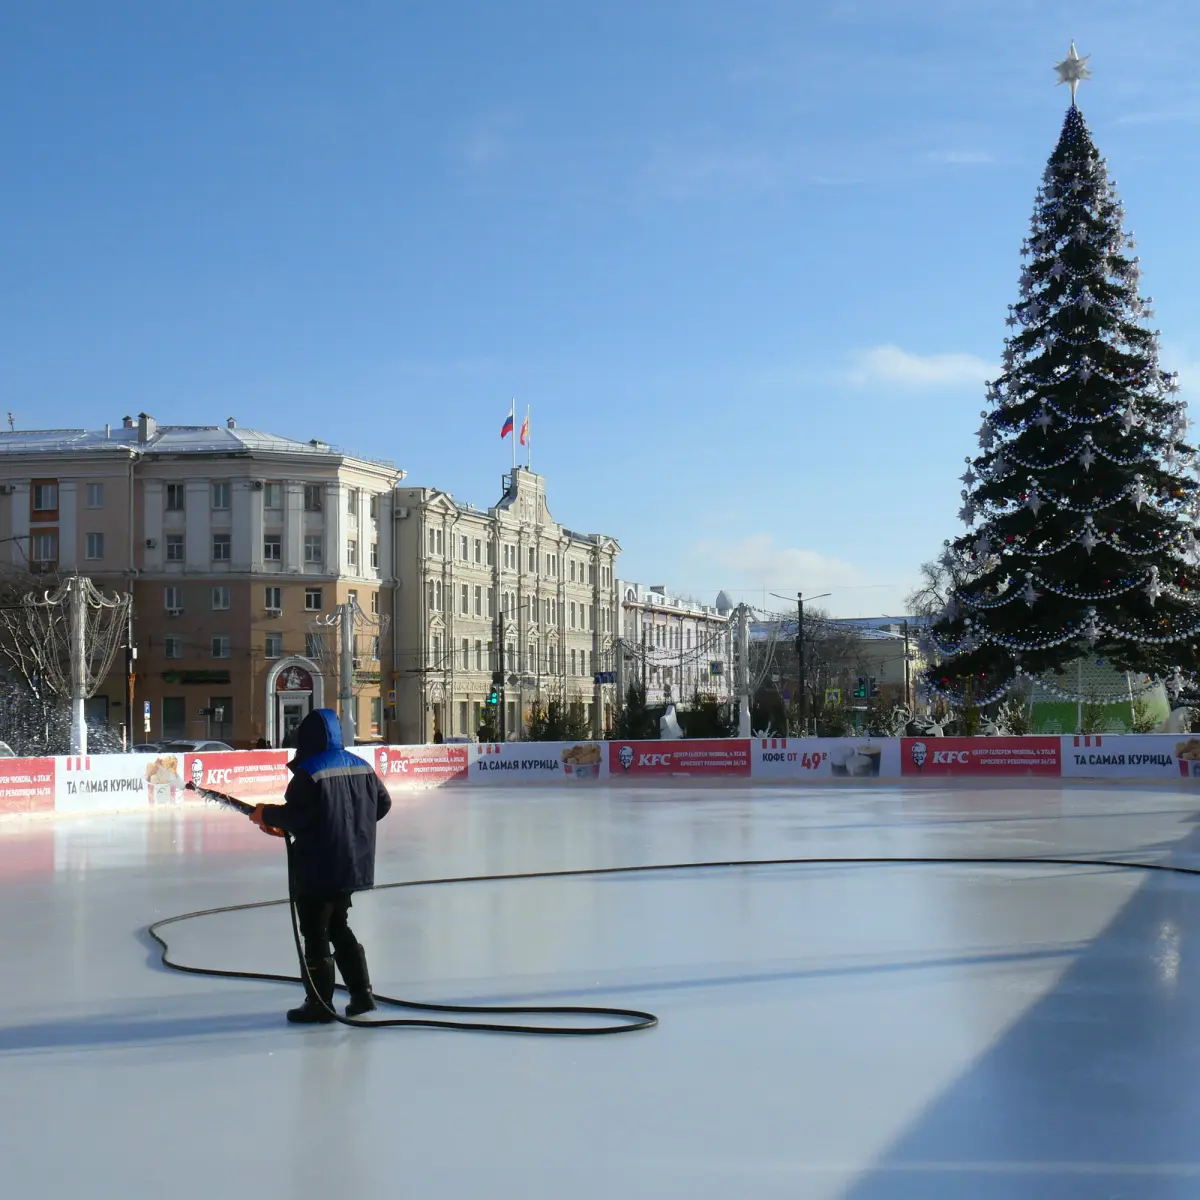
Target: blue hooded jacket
(331, 808)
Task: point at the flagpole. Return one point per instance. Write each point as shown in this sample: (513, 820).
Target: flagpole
(512, 416)
(528, 442)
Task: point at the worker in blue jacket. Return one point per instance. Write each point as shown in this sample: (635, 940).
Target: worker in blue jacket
(331, 808)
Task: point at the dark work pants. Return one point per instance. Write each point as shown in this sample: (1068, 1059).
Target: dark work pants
(322, 921)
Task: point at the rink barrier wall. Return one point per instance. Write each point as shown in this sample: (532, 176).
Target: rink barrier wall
(129, 782)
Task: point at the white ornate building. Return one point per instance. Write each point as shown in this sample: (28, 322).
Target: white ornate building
(682, 645)
(465, 575)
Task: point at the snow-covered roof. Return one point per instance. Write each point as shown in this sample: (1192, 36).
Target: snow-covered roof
(169, 439)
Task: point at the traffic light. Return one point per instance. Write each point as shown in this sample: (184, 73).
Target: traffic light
(872, 690)
(494, 695)
(860, 688)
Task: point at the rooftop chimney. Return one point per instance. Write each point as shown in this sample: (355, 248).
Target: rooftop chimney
(147, 427)
(127, 422)
(107, 430)
(230, 423)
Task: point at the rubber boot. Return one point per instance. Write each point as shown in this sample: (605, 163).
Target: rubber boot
(312, 1011)
(352, 962)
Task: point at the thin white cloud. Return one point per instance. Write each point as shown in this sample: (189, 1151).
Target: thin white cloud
(891, 365)
(683, 174)
(488, 143)
(758, 561)
(960, 158)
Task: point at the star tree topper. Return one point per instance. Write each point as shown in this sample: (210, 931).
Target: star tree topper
(1073, 69)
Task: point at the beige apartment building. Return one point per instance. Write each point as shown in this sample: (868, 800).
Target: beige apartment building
(234, 543)
(471, 580)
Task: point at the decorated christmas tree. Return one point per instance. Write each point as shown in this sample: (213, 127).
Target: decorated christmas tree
(1080, 542)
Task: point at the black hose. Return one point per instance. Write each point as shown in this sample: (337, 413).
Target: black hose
(633, 1018)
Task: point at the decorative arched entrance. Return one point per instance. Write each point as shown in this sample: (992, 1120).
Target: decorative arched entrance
(294, 688)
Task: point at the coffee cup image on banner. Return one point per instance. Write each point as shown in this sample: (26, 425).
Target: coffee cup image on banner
(583, 762)
(856, 760)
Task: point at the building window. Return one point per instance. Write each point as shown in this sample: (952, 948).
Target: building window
(174, 547)
(374, 604)
(314, 645)
(572, 570)
(273, 495)
(352, 501)
(220, 645)
(432, 540)
(478, 552)
(220, 598)
(314, 497)
(175, 494)
(173, 599)
(314, 549)
(466, 655)
(572, 662)
(351, 553)
(43, 551)
(174, 717)
(274, 645)
(374, 556)
(373, 506)
(274, 599)
(463, 545)
(491, 553)
(376, 706)
(312, 599)
(95, 495)
(465, 600)
(45, 497)
(435, 650)
(552, 655)
(172, 646)
(491, 601)
(220, 494)
(221, 547)
(572, 614)
(272, 547)
(532, 556)
(478, 655)
(94, 548)
(478, 600)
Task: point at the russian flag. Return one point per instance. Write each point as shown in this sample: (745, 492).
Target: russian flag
(507, 427)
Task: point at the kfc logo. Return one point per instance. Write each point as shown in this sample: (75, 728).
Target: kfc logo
(919, 753)
(654, 760)
(951, 756)
(625, 755)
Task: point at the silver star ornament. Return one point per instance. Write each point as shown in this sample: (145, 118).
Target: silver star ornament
(1073, 70)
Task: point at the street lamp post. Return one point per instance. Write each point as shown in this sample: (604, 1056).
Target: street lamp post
(800, 650)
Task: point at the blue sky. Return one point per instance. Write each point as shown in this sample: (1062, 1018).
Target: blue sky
(748, 262)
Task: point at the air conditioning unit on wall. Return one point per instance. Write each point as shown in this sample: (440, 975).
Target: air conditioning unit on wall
(151, 544)
(257, 485)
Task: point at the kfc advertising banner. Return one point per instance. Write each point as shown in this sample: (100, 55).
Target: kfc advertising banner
(103, 782)
(421, 766)
(715, 759)
(825, 758)
(981, 757)
(239, 773)
(1131, 756)
(551, 762)
(26, 785)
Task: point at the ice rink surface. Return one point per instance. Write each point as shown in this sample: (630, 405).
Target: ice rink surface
(870, 1032)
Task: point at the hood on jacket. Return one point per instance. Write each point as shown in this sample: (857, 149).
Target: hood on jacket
(319, 731)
